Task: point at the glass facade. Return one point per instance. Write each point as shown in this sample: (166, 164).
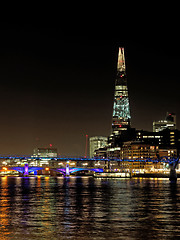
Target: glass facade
(96, 143)
(121, 110)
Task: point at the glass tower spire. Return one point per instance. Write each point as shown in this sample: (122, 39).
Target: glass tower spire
(121, 111)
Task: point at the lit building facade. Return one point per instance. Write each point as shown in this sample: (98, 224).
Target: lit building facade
(169, 122)
(132, 150)
(137, 150)
(101, 152)
(121, 110)
(45, 156)
(165, 139)
(96, 143)
(45, 152)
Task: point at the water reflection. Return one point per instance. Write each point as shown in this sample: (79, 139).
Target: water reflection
(88, 208)
(4, 205)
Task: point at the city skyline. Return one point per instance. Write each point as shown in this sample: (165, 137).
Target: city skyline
(56, 89)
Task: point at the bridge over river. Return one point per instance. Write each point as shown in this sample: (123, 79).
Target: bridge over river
(26, 169)
(26, 165)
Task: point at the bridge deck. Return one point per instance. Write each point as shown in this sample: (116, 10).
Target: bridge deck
(164, 159)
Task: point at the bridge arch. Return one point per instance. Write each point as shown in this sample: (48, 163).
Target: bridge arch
(73, 170)
(77, 169)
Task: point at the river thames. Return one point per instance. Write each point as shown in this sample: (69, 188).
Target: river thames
(88, 208)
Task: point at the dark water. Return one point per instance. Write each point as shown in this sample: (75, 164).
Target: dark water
(88, 208)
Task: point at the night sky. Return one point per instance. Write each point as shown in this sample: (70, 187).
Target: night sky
(58, 86)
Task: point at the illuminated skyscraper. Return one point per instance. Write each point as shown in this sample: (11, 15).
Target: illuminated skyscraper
(121, 110)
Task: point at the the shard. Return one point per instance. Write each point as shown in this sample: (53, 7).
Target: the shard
(121, 110)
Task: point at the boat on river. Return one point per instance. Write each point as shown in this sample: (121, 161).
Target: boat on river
(112, 175)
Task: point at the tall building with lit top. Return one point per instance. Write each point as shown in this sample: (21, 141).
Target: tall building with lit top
(121, 110)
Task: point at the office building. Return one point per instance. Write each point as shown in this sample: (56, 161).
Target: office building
(138, 150)
(133, 150)
(44, 157)
(96, 143)
(169, 122)
(166, 138)
(101, 152)
(45, 152)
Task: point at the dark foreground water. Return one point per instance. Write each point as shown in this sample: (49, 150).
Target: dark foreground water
(88, 208)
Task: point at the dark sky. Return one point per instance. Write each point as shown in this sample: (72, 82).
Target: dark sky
(57, 86)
